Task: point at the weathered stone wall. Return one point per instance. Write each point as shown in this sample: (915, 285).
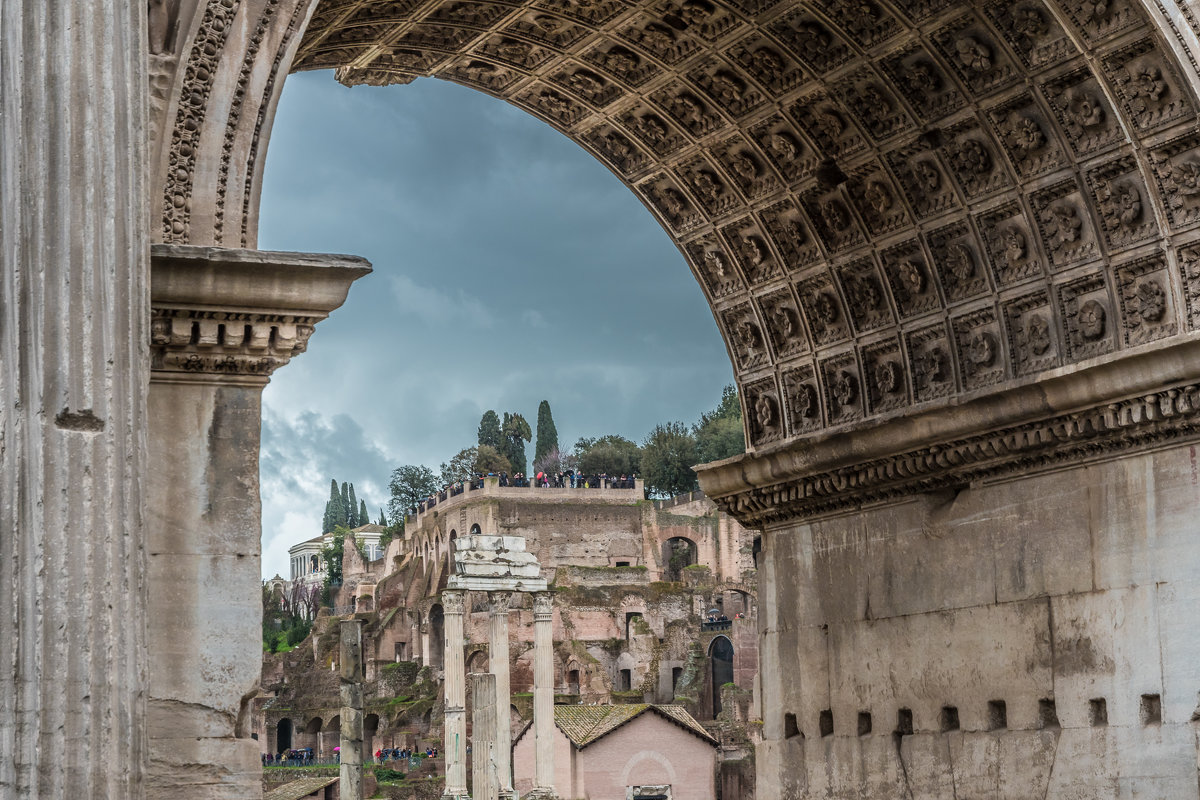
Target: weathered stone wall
(1055, 614)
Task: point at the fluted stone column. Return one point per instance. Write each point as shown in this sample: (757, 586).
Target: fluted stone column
(222, 321)
(498, 658)
(350, 685)
(543, 694)
(484, 774)
(74, 369)
(456, 694)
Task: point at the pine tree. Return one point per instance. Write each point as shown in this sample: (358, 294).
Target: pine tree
(363, 519)
(547, 434)
(347, 509)
(489, 430)
(352, 520)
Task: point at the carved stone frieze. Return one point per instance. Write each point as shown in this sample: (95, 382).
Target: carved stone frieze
(1126, 217)
(744, 238)
(1045, 440)
(1028, 137)
(659, 40)
(1189, 273)
(727, 87)
(679, 210)
(617, 149)
(717, 271)
(747, 168)
(647, 125)
(931, 93)
(766, 63)
(864, 22)
(550, 29)
(225, 343)
(811, 41)
(685, 106)
(879, 113)
(785, 147)
(708, 186)
(1032, 32)
(622, 63)
(1084, 113)
(835, 223)
(926, 186)
(959, 262)
(700, 18)
(973, 160)
(827, 124)
(1098, 20)
(880, 204)
(976, 56)
(588, 86)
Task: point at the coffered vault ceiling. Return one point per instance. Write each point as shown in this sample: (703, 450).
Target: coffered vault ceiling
(886, 204)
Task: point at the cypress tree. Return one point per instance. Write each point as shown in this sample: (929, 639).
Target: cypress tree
(363, 519)
(515, 433)
(352, 520)
(383, 518)
(547, 434)
(347, 509)
(489, 430)
(334, 512)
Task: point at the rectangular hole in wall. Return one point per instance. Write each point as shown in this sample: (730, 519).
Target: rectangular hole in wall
(948, 719)
(1047, 714)
(1150, 710)
(827, 722)
(1097, 712)
(904, 722)
(864, 723)
(997, 715)
(790, 728)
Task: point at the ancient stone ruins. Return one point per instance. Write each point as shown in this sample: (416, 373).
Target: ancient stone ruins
(954, 250)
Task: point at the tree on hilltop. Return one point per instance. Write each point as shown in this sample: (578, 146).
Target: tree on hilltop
(610, 455)
(489, 430)
(667, 458)
(719, 433)
(488, 459)
(461, 466)
(409, 485)
(547, 434)
(515, 432)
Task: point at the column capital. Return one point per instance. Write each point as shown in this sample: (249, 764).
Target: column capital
(453, 601)
(543, 604)
(222, 315)
(500, 602)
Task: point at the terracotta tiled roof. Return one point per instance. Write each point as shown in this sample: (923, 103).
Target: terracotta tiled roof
(300, 788)
(585, 724)
(370, 527)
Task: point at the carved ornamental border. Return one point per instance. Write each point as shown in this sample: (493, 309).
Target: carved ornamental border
(1141, 411)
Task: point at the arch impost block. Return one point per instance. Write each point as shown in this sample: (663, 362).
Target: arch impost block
(1138, 402)
(235, 316)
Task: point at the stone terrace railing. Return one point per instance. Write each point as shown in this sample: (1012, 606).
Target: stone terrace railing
(490, 487)
(679, 500)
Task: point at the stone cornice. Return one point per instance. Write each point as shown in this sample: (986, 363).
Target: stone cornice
(1146, 399)
(235, 316)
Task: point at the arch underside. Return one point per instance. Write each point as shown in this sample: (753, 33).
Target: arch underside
(887, 204)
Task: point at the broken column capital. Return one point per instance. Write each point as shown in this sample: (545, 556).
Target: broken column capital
(235, 316)
(452, 601)
(543, 605)
(501, 602)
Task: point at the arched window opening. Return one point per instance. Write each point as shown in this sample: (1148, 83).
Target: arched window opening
(624, 680)
(720, 656)
(283, 735)
(476, 530)
(679, 553)
(676, 674)
(315, 564)
(573, 681)
(633, 620)
(756, 550)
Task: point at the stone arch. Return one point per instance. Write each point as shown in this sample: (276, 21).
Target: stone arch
(314, 725)
(477, 661)
(887, 204)
(720, 661)
(679, 552)
(626, 678)
(476, 530)
(283, 735)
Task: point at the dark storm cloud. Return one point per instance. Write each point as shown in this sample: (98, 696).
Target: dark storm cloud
(510, 266)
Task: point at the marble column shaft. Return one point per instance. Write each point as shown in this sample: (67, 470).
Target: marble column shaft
(484, 774)
(455, 691)
(350, 685)
(498, 658)
(543, 693)
(74, 370)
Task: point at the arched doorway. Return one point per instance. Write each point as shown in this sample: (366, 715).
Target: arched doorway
(679, 553)
(720, 657)
(283, 735)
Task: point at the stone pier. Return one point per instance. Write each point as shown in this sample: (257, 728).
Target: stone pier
(222, 321)
(500, 668)
(543, 695)
(455, 691)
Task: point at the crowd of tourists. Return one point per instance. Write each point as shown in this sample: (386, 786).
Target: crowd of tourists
(384, 754)
(295, 757)
(568, 479)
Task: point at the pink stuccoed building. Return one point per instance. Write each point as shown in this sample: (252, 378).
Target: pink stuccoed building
(624, 752)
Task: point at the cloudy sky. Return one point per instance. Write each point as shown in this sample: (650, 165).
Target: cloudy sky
(510, 267)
